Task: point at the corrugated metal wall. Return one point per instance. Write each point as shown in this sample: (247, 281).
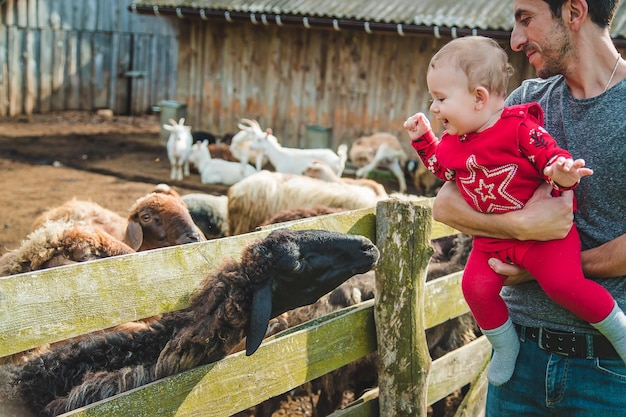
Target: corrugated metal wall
(84, 55)
(290, 77)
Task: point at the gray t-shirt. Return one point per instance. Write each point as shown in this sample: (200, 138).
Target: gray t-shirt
(593, 129)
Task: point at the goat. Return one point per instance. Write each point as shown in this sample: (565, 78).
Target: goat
(322, 171)
(295, 160)
(285, 270)
(240, 144)
(178, 148)
(217, 171)
(379, 150)
(258, 197)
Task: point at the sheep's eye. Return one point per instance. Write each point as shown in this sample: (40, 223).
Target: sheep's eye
(297, 266)
(145, 217)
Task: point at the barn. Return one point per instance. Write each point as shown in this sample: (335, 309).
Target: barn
(330, 70)
(352, 68)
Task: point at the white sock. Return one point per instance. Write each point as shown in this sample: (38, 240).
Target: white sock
(505, 344)
(613, 327)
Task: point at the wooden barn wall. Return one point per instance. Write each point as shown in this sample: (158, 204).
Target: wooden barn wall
(77, 54)
(290, 77)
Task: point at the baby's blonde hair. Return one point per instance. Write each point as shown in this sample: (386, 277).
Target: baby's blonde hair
(483, 61)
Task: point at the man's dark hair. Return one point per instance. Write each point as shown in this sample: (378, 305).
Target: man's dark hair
(600, 11)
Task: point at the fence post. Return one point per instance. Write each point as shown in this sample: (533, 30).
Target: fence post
(403, 236)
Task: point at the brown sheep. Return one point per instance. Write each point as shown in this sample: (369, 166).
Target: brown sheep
(156, 220)
(379, 150)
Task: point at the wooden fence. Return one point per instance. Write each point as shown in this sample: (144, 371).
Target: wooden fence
(84, 55)
(73, 300)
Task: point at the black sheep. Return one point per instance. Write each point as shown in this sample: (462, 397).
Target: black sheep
(285, 270)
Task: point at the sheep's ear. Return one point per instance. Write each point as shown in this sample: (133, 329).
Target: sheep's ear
(134, 235)
(259, 317)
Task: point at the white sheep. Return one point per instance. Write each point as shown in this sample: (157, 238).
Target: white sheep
(295, 160)
(178, 148)
(258, 197)
(321, 170)
(379, 150)
(240, 144)
(209, 212)
(214, 170)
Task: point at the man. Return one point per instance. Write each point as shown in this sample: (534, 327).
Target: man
(582, 91)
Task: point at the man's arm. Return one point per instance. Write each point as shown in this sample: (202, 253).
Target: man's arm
(607, 260)
(543, 217)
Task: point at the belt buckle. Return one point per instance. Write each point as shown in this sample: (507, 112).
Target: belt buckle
(560, 343)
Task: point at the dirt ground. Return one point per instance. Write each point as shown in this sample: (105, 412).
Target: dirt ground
(46, 160)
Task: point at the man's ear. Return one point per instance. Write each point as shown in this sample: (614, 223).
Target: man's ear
(575, 12)
(481, 96)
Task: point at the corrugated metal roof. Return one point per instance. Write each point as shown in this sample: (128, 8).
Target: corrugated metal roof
(479, 14)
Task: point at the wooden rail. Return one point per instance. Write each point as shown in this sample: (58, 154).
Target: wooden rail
(59, 303)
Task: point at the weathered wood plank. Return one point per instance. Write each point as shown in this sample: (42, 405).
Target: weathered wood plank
(86, 71)
(72, 76)
(10, 12)
(4, 72)
(21, 13)
(457, 369)
(239, 382)
(444, 299)
(59, 58)
(30, 72)
(46, 51)
(403, 238)
(16, 70)
(364, 406)
(101, 69)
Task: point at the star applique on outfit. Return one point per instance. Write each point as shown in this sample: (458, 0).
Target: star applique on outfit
(487, 187)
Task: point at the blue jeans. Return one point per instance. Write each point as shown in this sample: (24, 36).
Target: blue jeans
(547, 384)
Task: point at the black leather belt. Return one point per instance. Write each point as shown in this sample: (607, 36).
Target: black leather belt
(575, 345)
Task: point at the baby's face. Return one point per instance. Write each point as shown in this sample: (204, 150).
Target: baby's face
(453, 104)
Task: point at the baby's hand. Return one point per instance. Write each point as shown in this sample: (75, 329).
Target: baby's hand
(417, 125)
(566, 172)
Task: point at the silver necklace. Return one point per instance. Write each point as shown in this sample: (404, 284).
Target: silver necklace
(619, 56)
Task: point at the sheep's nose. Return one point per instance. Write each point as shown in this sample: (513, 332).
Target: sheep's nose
(196, 237)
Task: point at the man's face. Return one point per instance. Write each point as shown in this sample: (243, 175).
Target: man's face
(541, 36)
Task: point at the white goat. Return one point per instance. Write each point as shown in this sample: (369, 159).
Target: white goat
(240, 144)
(379, 150)
(178, 148)
(216, 171)
(295, 160)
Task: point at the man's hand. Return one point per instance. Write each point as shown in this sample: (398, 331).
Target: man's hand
(514, 274)
(545, 217)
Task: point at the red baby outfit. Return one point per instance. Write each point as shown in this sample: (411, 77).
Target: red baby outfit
(498, 170)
